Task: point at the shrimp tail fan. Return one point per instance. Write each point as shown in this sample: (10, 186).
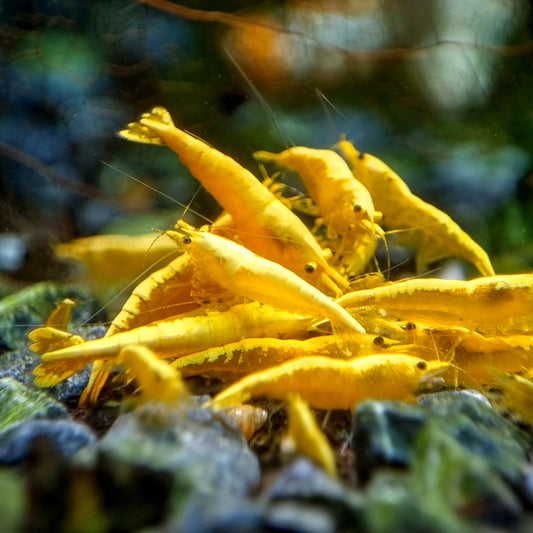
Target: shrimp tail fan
(51, 373)
(140, 133)
(49, 339)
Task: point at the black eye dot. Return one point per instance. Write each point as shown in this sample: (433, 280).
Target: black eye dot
(361, 155)
(186, 239)
(310, 268)
(421, 365)
(378, 341)
(410, 326)
(357, 208)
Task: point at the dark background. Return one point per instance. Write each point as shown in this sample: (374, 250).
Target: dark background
(440, 90)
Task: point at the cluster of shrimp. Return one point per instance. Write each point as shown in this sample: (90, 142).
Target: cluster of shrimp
(273, 307)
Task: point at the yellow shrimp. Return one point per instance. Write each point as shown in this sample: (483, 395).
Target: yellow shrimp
(433, 233)
(170, 338)
(114, 259)
(241, 272)
(159, 382)
(263, 223)
(518, 393)
(306, 435)
(251, 355)
(471, 352)
(327, 383)
(165, 293)
(496, 304)
(344, 203)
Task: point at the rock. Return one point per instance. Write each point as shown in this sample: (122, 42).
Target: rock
(133, 495)
(465, 460)
(393, 505)
(469, 418)
(19, 403)
(299, 517)
(193, 444)
(66, 436)
(384, 433)
(447, 474)
(218, 513)
(19, 365)
(303, 481)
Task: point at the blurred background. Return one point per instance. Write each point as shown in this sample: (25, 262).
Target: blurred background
(441, 90)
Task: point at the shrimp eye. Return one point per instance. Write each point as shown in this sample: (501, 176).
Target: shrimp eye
(186, 239)
(421, 365)
(357, 208)
(410, 326)
(378, 341)
(310, 267)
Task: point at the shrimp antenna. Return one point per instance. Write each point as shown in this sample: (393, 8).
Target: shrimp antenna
(327, 106)
(287, 141)
(128, 286)
(157, 191)
(188, 206)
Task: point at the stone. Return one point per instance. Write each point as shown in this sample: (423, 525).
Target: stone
(19, 402)
(192, 443)
(65, 435)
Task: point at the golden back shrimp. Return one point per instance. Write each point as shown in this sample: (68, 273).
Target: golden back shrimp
(264, 224)
(344, 202)
(327, 383)
(496, 304)
(250, 355)
(432, 232)
(170, 338)
(244, 273)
